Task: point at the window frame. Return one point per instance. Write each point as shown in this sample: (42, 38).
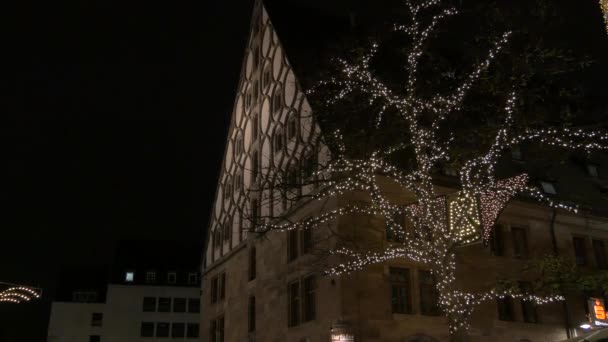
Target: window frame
(524, 234)
(395, 296)
(147, 324)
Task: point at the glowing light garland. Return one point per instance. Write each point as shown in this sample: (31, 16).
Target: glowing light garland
(439, 224)
(604, 7)
(19, 294)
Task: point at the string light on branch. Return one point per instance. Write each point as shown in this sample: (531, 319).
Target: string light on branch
(604, 7)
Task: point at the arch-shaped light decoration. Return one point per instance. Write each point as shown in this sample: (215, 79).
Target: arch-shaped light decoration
(19, 294)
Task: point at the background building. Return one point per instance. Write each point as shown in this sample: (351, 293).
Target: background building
(153, 292)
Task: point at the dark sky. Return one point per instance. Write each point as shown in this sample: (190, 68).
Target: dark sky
(113, 116)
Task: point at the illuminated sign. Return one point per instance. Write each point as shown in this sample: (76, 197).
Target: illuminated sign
(597, 311)
(342, 338)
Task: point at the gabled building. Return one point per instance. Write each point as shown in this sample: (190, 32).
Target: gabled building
(272, 289)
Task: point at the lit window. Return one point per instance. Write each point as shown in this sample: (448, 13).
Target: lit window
(592, 169)
(548, 188)
(129, 276)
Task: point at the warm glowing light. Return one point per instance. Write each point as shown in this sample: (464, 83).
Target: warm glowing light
(19, 294)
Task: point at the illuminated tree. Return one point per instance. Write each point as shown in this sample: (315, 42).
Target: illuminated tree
(440, 221)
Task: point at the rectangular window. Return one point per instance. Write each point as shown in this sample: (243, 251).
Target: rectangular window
(293, 290)
(400, 290)
(252, 263)
(292, 245)
(172, 277)
(94, 338)
(395, 233)
(214, 288)
(254, 166)
(222, 285)
(213, 331)
(97, 319)
(162, 329)
(164, 304)
(528, 308)
(150, 277)
(520, 242)
(310, 307)
(496, 241)
(194, 305)
(505, 308)
(147, 329)
(254, 127)
(179, 304)
(599, 250)
(227, 231)
(580, 250)
(177, 329)
(429, 296)
(278, 141)
(193, 330)
(149, 304)
(306, 240)
(292, 128)
(251, 314)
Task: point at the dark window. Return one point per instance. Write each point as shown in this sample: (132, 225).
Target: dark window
(292, 245)
(528, 308)
(150, 277)
(394, 232)
(149, 304)
(164, 304)
(580, 250)
(252, 263)
(496, 241)
(177, 329)
(293, 291)
(278, 141)
(505, 308)
(306, 240)
(254, 166)
(520, 242)
(162, 329)
(216, 330)
(193, 276)
(400, 290)
(194, 305)
(251, 314)
(213, 331)
(179, 304)
(192, 330)
(214, 288)
(222, 284)
(255, 213)
(599, 249)
(171, 277)
(147, 329)
(308, 166)
(227, 231)
(254, 127)
(429, 296)
(97, 319)
(292, 129)
(310, 308)
(94, 338)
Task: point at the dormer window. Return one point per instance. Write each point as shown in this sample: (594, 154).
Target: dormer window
(129, 276)
(516, 153)
(548, 187)
(592, 170)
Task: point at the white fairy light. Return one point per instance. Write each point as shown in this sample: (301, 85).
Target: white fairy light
(439, 222)
(18, 294)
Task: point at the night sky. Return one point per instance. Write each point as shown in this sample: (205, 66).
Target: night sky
(113, 116)
(113, 120)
